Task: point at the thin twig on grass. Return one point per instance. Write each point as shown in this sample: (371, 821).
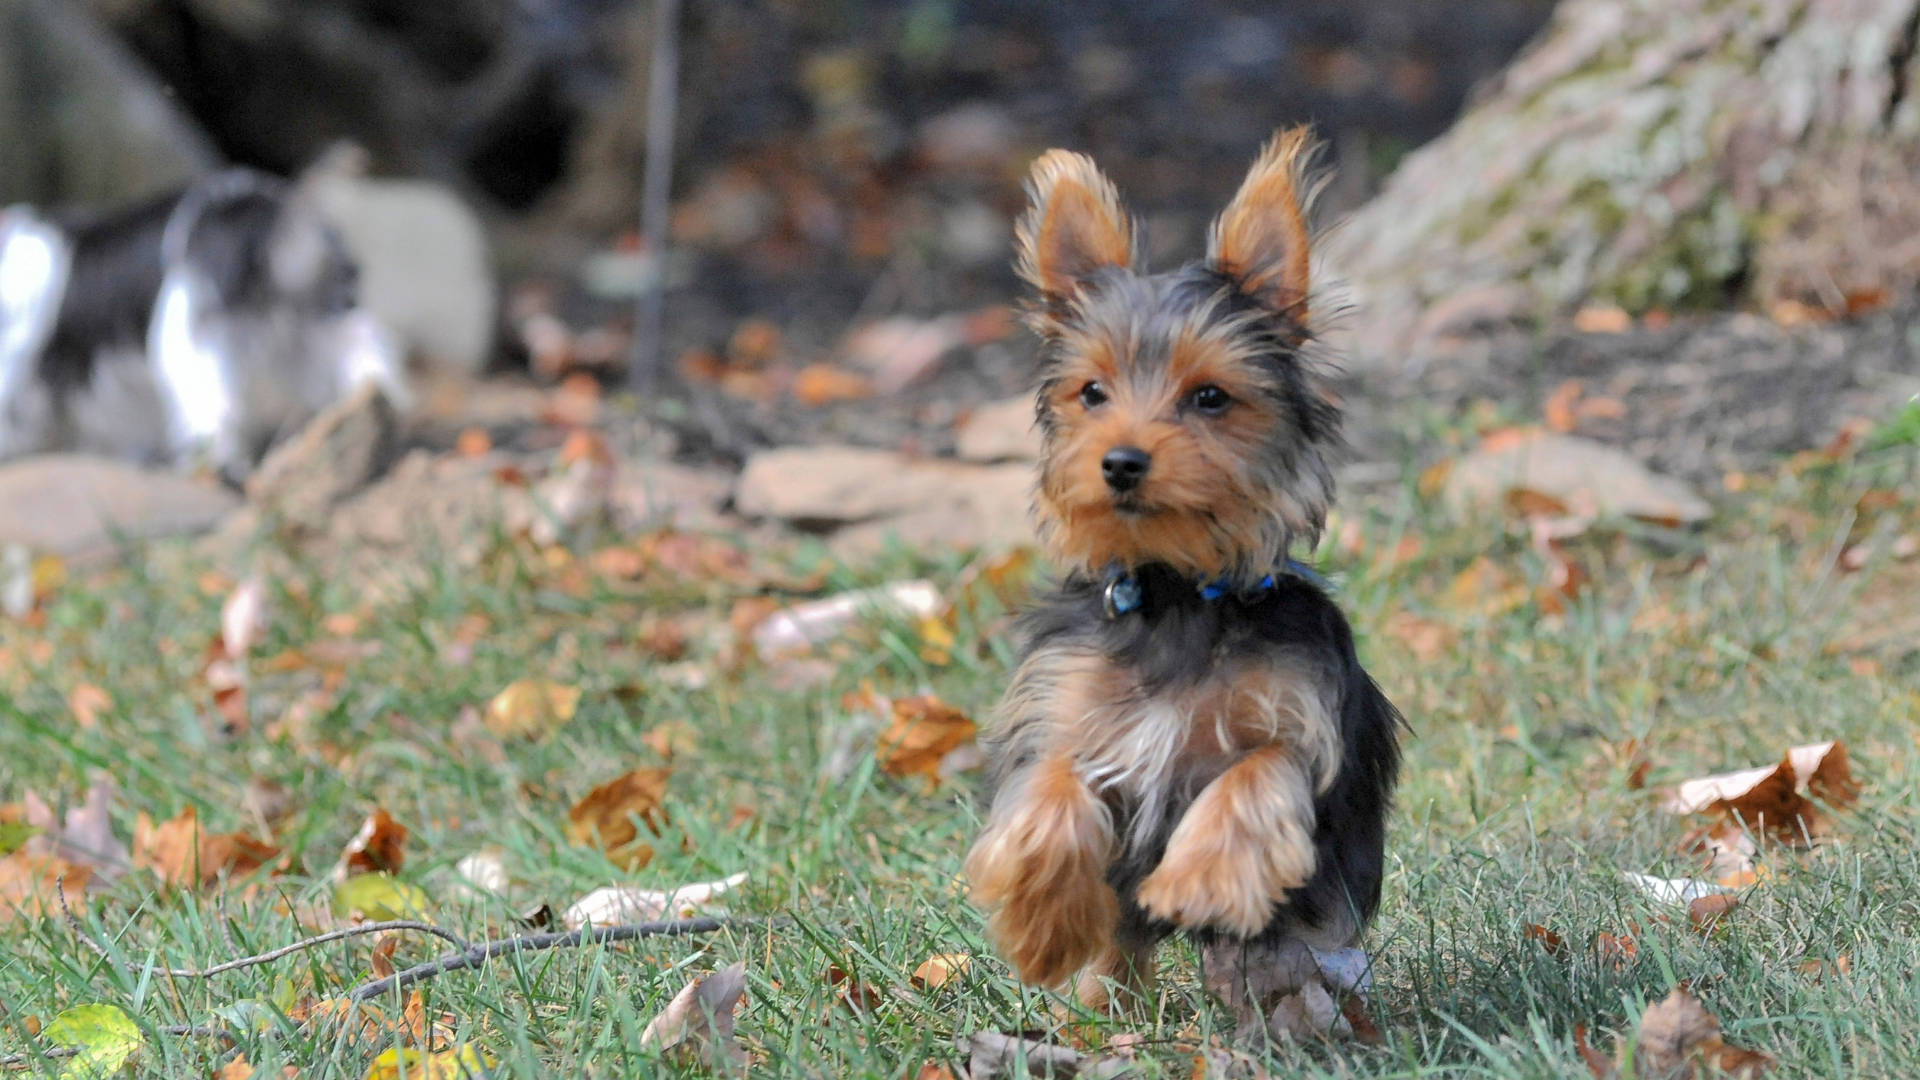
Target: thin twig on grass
(359, 930)
(474, 956)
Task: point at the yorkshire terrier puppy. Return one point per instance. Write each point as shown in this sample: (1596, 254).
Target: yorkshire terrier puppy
(1190, 742)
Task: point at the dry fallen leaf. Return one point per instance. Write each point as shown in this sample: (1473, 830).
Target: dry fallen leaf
(613, 904)
(698, 1022)
(1705, 912)
(1679, 1040)
(531, 708)
(940, 968)
(671, 738)
(859, 996)
(924, 732)
(801, 627)
(1768, 799)
(1426, 639)
(183, 856)
(30, 881)
(86, 703)
(1554, 944)
(1597, 1063)
(379, 847)
(243, 618)
(380, 962)
(1615, 950)
(609, 817)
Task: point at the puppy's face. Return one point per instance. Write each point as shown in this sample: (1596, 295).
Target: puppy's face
(1181, 422)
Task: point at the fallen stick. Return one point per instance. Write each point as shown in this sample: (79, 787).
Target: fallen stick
(475, 955)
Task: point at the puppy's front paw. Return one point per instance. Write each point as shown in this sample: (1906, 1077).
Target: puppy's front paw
(1241, 846)
(1193, 890)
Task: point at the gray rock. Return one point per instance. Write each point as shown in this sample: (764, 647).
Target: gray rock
(1002, 431)
(1591, 479)
(870, 495)
(80, 507)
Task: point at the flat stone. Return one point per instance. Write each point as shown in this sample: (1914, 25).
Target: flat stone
(1002, 431)
(1589, 478)
(80, 507)
(829, 485)
(987, 507)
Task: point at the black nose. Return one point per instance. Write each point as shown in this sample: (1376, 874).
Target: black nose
(1124, 466)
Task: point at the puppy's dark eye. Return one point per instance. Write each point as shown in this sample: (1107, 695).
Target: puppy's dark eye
(1093, 395)
(1210, 399)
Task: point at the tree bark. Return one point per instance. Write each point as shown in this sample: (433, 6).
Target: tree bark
(1670, 154)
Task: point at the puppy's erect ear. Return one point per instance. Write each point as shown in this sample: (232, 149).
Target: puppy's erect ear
(1260, 240)
(1074, 228)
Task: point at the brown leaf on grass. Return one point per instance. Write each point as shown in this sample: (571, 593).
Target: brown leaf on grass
(226, 676)
(1680, 1040)
(30, 882)
(697, 557)
(671, 738)
(1427, 639)
(1596, 1062)
(698, 1023)
(1615, 950)
(1365, 1031)
(380, 961)
(380, 847)
(1705, 912)
(1007, 577)
(1554, 944)
(1484, 588)
(932, 1070)
(184, 857)
(531, 708)
(1768, 799)
(924, 731)
(86, 702)
(939, 969)
(610, 816)
(859, 996)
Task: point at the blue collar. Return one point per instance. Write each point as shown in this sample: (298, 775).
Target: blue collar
(1124, 595)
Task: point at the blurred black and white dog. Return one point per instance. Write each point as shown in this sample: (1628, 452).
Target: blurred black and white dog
(197, 327)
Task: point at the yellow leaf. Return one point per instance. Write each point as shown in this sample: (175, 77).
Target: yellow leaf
(451, 1064)
(936, 642)
(104, 1037)
(378, 897)
(531, 708)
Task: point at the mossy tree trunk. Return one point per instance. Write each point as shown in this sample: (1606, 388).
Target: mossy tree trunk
(1667, 154)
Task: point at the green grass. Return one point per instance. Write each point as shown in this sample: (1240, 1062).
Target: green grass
(1710, 648)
